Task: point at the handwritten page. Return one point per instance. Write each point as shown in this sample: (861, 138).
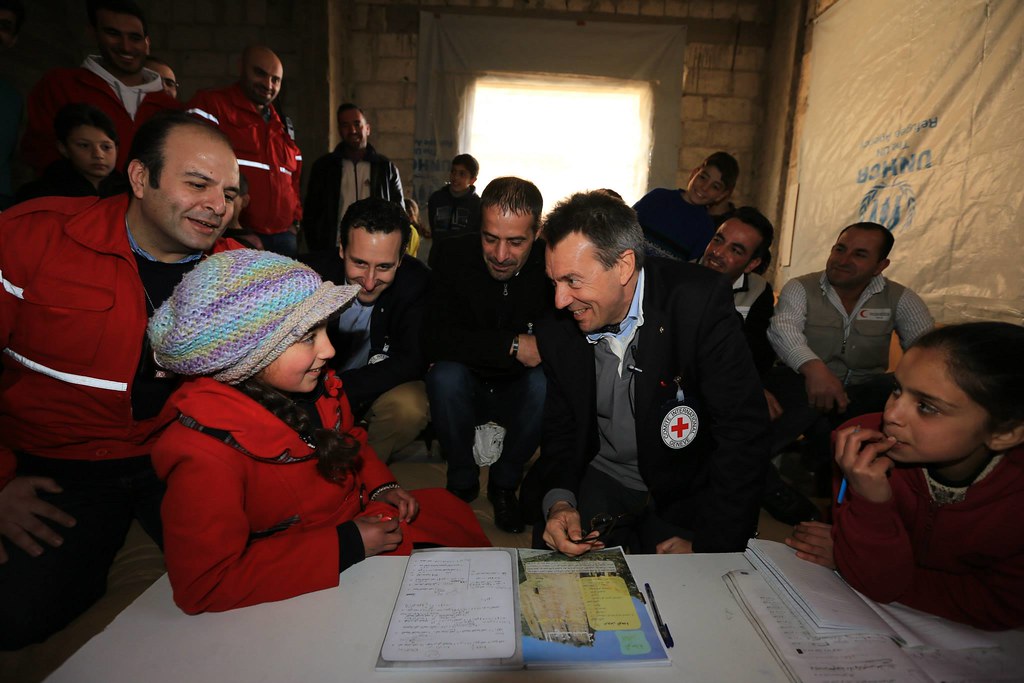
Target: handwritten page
(608, 604)
(828, 603)
(455, 605)
(818, 593)
(809, 657)
(473, 609)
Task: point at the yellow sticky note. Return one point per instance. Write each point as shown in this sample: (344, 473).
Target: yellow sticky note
(608, 604)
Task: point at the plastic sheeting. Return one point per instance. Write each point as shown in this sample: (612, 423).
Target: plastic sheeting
(455, 50)
(913, 122)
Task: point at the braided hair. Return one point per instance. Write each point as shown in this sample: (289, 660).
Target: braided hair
(337, 452)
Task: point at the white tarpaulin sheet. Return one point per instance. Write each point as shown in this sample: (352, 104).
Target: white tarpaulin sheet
(913, 121)
(455, 50)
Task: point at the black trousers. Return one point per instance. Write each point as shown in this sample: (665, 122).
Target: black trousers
(639, 529)
(799, 418)
(41, 595)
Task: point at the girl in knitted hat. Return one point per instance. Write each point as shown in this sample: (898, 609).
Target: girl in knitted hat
(271, 490)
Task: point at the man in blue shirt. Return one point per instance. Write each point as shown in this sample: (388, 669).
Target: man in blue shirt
(377, 338)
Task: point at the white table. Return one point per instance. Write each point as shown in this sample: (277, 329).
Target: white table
(335, 635)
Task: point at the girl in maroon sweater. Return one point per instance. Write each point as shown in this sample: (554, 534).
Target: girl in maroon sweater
(931, 517)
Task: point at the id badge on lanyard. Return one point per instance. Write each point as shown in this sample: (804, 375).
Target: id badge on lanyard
(681, 423)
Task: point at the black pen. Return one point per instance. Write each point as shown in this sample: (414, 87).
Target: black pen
(666, 635)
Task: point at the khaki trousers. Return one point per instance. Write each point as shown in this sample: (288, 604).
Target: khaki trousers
(397, 417)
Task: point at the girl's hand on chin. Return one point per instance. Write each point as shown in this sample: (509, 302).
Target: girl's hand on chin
(860, 454)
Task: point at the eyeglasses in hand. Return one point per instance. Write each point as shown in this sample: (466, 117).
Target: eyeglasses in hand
(603, 524)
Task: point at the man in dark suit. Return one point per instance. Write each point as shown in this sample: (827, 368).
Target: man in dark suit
(654, 420)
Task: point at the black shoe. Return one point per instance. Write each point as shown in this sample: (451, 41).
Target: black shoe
(466, 494)
(786, 504)
(507, 514)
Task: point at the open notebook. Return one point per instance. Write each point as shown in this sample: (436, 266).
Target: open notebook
(832, 607)
(821, 630)
(499, 608)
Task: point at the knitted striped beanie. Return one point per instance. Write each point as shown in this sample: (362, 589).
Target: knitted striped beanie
(237, 311)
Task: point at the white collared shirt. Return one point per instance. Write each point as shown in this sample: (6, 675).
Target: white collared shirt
(355, 185)
(627, 328)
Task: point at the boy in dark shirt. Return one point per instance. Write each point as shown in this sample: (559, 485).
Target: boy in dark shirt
(87, 142)
(676, 223)
(455, 208)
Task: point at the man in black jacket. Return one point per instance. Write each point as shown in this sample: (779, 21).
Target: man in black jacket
(377, 338)
(654, 419)
(353, 171)
(489, 292)
(741, 250)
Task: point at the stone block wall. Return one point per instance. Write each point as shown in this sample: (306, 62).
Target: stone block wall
(202, 40)
(723, 95)
(366, 51)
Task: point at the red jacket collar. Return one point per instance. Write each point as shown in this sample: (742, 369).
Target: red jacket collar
(236, 97)
(88, 79)
(98, 224)
(219, 406)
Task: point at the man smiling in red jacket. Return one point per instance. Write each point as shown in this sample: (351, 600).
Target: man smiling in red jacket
(81, 399)
(115, 81)
(263, 141)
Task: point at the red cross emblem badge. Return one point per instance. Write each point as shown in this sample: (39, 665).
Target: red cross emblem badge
(679, 428)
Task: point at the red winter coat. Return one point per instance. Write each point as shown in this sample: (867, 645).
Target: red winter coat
(241, 528)
(267, 155)
(58, 87)
(72, 321)
(963, 561)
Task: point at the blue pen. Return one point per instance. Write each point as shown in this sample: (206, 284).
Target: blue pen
(842, 486)
(666, 635)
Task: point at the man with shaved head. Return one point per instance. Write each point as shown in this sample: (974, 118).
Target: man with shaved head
(264, 142)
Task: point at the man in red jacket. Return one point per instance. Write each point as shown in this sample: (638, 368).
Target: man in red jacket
(81, 398)
(115, 81)
(263, 141)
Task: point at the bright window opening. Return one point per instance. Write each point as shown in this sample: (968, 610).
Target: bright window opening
(564, 134)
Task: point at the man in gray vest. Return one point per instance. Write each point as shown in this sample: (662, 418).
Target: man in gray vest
(832, 329)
